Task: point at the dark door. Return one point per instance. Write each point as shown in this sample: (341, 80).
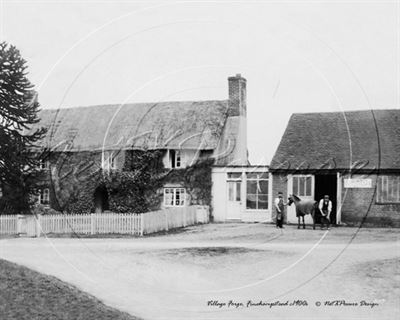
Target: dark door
(100, 200)
(326, 184)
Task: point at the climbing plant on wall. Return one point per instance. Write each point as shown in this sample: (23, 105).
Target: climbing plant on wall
(196, 179)
(137, 187)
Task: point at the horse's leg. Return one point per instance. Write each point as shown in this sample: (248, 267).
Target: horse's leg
(304, 225)
(298, 222)
(313, 218)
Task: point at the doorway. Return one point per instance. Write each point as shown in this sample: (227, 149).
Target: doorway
(326, 184)
(302, 185)
(100, 199)
(234, 195)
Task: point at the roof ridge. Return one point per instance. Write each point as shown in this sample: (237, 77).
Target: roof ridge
(136, 103)
(345, 111)
(339, 140)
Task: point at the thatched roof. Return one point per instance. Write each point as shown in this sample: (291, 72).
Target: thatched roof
(183, 124)
(340, 140)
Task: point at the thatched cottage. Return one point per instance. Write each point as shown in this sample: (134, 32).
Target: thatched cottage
(141, 156)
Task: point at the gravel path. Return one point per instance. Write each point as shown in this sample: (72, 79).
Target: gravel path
(196, 273)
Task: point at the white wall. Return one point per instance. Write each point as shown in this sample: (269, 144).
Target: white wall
(220, 195)
(232, 146)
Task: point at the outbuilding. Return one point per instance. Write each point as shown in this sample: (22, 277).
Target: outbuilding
(354, 157)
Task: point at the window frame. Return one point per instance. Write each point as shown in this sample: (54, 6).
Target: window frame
(257, 194)
(109, 160)
(43, 197)
(175, 159)
(43, 165)
(235, 179)
(299, 178)
(112, 161)
(234, 190)
(178, 159)
(174, 191)
(380, 194)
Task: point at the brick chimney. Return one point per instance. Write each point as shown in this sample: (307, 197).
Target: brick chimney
(237, 96)
(232, 147)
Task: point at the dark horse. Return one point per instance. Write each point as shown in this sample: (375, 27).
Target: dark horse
(303, 207)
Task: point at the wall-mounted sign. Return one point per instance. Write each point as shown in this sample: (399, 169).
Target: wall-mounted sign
(358, 183)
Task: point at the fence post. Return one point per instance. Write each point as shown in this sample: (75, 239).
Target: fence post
(185, 216)
(196, 214)
(166, 220)
(19, 224)
(38, 225)
(92, 222)
(141, 215)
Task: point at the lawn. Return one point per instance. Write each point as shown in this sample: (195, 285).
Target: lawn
(26, 294)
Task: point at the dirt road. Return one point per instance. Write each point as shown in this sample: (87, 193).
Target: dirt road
(230, 271)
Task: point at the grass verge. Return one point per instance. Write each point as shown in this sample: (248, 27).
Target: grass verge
(27, 294)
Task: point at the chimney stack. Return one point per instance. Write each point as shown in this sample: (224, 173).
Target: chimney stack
(237, 96)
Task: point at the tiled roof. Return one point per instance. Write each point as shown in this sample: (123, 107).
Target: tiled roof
(340, 140)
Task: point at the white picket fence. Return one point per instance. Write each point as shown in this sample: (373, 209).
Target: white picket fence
(104, 223)
(164, 220)
(8, 224)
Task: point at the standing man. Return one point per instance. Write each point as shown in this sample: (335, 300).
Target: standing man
(325, 207)
(279, 208)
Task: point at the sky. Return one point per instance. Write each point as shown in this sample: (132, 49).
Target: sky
(297, 56)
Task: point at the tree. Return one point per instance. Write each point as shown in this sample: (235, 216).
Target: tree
(18, 112)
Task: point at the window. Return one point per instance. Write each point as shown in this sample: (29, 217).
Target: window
(174, 197)
(234, 190)
(302, 186)
(388, 189)
(234, 186)
(43, 164)
(234, 176)
(175, 158)
(113, 162)
(43, 196)
(109, 160)
(178, 159)
(257, 191)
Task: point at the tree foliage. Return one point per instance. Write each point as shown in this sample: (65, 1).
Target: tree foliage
(18, 111)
